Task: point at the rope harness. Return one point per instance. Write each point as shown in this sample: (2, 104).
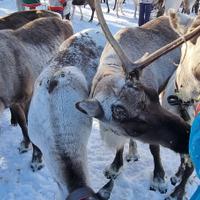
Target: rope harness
(174, 100)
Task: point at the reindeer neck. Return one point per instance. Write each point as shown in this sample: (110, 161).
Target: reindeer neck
(74, 174)
(175, 132)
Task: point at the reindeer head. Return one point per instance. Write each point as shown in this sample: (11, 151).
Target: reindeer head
(188, 72)
(129, 108)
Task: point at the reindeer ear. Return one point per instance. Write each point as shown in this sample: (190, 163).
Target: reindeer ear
(179, 22)
(105, 192)
(90, 107)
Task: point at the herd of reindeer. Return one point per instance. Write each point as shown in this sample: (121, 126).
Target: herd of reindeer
(140, 86)
(160, 6)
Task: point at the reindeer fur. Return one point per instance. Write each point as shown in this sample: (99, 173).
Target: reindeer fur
(18, 19)
(58, 129)
(176, 4)
(120, 105)
(24, 53)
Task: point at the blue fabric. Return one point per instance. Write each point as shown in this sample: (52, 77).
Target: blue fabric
(144, 13)
(194, 150)
(196, 195)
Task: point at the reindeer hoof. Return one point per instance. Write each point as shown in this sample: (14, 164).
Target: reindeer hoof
(24, 147)
(112, 172)
(36, 166)
(13, 123)
(133, 158)
(174, 180)
(158, 184)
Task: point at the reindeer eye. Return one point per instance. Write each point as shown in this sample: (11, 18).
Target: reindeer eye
(119, 113)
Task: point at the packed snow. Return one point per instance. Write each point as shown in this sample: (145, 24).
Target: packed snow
(18, 182)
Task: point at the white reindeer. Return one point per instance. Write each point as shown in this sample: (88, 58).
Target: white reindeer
(56, 126)
(182, 92)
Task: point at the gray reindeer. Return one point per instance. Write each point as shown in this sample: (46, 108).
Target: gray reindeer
(23, 54)
(181, 95)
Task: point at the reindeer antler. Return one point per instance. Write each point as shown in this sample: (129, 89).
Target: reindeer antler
(133, 70)
(139, 66)
(126, 63)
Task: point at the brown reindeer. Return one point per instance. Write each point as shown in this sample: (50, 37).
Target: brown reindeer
(24, 53)
(125, 93)
(18, 19)
(84, 2)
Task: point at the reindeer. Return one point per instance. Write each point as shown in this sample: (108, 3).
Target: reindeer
(175, 4)
(18, 19)
(195, 7)
(65, 81)
(119, 4)
(182, 92)
(124, 96)
(84, 2)
(91, 3)
(23, 54)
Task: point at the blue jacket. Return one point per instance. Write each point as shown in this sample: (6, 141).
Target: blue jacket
(194, 150)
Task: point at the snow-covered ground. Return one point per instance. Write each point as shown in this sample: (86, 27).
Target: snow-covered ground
(18, 182)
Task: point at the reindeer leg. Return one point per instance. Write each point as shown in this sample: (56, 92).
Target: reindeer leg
(81, 12)
(177, 178)
(121, 8)
(115, 168)
(115, 5)
(13, 119)
(107, 6)
(92, 6)
(179, 191)
(92, 16)
(158, 182)
(73, 11)
(133, 153)
(20, 116)
(135, 11)
(36, 163)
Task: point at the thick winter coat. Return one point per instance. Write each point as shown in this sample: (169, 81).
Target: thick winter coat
(55, 125)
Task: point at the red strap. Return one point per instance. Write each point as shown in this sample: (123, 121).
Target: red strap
(55, 8)
(32, 5)
(197, 109)
(62, 1)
